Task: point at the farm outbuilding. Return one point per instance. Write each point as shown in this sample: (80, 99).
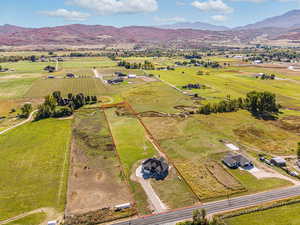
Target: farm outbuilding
(278, 161)
(155, 168)
(235, 161)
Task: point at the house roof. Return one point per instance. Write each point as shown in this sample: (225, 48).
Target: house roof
(278, 160)
(155, 165)
(236, 160)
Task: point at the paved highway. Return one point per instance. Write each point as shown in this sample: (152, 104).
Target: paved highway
(216, 207)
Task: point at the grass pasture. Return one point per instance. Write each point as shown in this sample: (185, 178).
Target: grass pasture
(236, 82)
(87, 86)
(155, 96)
(33, 167)
(285, 215)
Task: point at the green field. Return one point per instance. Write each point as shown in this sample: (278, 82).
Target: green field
(155, 96)
(192, 142)
(34, 219)
(87, 86)
(14, 88)
(285, 215)
(33, 167)
(236, 82)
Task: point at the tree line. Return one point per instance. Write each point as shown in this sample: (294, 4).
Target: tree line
(56, 106)
(260, 104)
(145, 66)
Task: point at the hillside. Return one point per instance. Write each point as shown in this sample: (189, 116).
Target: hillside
(195, 26)
(290, 19)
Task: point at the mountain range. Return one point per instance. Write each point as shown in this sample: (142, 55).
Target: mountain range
(194, 25)
(286, 26)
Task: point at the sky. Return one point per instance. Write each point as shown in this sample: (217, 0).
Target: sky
(231, 13)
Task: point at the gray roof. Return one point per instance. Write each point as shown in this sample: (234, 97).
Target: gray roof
(278, 160)
(236, 160)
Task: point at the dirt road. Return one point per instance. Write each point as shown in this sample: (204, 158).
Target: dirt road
(19, 124)
(51, 215)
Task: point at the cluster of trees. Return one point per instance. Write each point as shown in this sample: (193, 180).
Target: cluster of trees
(200, 218)
(260, 104)
(227, 105)
(193, 86)
(266, 77)
(194, 62)
(195, 55)
(56, 106)
(26, 109)
(11, 58)
(145, 66)
(50, 69)
(272, 55)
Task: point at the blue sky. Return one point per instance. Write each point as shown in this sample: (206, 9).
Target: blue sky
(40, 13)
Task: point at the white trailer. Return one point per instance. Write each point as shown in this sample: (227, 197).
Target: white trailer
(123, 206)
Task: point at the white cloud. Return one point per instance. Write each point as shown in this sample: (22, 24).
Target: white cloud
(219, 18)
(255, 1)
(176, 19)
(67, 15)
(213, 5)
(106, 7)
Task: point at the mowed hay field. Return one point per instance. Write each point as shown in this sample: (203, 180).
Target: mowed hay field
(96, 179)
(33, 167)
(14, 88)
(285, 215)
(155, 96)
(87, 86)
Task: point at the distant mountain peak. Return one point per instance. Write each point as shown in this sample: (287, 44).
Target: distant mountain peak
(287, 20)
(195, 26)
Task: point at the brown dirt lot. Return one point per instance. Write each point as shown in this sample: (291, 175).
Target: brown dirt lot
(95, 180)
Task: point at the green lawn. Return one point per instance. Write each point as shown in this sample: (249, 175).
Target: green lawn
(285, 215)
(33, 167)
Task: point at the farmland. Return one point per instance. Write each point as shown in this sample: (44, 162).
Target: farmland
(133, 146)
(33, 174)
(277, 216)
(155, 117)
(96, 177)
(87, 86)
